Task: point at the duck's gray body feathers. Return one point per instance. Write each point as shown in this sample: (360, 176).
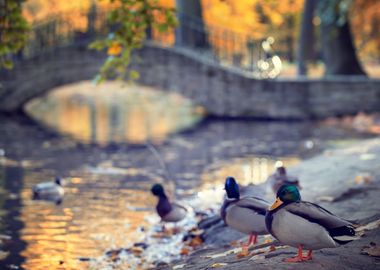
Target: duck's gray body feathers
(48, 191)
(309, 225)
(170, 212)
(177, 213)
(246, 215)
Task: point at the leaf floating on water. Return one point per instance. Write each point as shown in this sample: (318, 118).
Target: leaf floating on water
(216, 265)
(3, 255)
(5, 237)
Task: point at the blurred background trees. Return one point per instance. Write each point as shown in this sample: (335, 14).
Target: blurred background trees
(342, 34)
(13, 31)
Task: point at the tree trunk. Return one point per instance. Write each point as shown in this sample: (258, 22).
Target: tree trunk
(306, 37)
(290, 39)
(191, 30)
(338, 50)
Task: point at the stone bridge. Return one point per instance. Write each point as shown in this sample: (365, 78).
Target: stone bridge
(221, 90)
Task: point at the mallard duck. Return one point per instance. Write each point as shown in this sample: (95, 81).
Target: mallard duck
(305, 225)
(168, 211)
(246, 214)
(52, 191)
(280, 177)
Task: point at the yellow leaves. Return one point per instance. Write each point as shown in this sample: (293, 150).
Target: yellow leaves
(196, 241)
(184, 251)
(244, 253)
(115, 49)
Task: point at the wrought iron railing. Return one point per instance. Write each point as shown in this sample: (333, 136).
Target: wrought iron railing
(206, 42)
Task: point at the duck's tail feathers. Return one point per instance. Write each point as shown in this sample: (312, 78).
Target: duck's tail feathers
(343, 235)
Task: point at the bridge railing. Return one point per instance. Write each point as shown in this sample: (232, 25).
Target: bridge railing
(223, 46)
(207, 42)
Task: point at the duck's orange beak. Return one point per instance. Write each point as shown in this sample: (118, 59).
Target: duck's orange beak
(276, 204)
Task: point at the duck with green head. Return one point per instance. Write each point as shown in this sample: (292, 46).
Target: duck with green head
(168, 211)
(305, 225)
(246, 214)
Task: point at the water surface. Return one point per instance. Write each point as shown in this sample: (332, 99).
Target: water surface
(108, 170)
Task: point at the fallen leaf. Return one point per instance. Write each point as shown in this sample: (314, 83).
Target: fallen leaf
(244, 253)
(268, 240)
(114, 255)
(373, 251)
(179, 266)
(234, 243)
(196, 241)
(185, 251)
(370, 226)
(137, 250)
(222, 254)
(272, 248)
(216, 265)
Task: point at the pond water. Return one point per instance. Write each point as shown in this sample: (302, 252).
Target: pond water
(102, 146)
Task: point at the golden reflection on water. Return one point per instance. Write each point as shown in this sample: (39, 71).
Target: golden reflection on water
(114, 112)
(82, 226)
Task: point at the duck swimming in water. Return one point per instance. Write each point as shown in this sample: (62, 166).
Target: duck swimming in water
(246, 214)
(305, 225)
(168, 211)
(51, 191)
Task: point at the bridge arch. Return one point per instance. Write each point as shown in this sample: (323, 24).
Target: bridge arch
(221, 90)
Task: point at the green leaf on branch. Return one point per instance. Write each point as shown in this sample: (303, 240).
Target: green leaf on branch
(129, 20)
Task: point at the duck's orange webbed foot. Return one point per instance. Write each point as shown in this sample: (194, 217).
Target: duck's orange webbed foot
(300, 257)
(308, 256)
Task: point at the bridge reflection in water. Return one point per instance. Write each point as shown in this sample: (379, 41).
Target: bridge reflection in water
(113, 112)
